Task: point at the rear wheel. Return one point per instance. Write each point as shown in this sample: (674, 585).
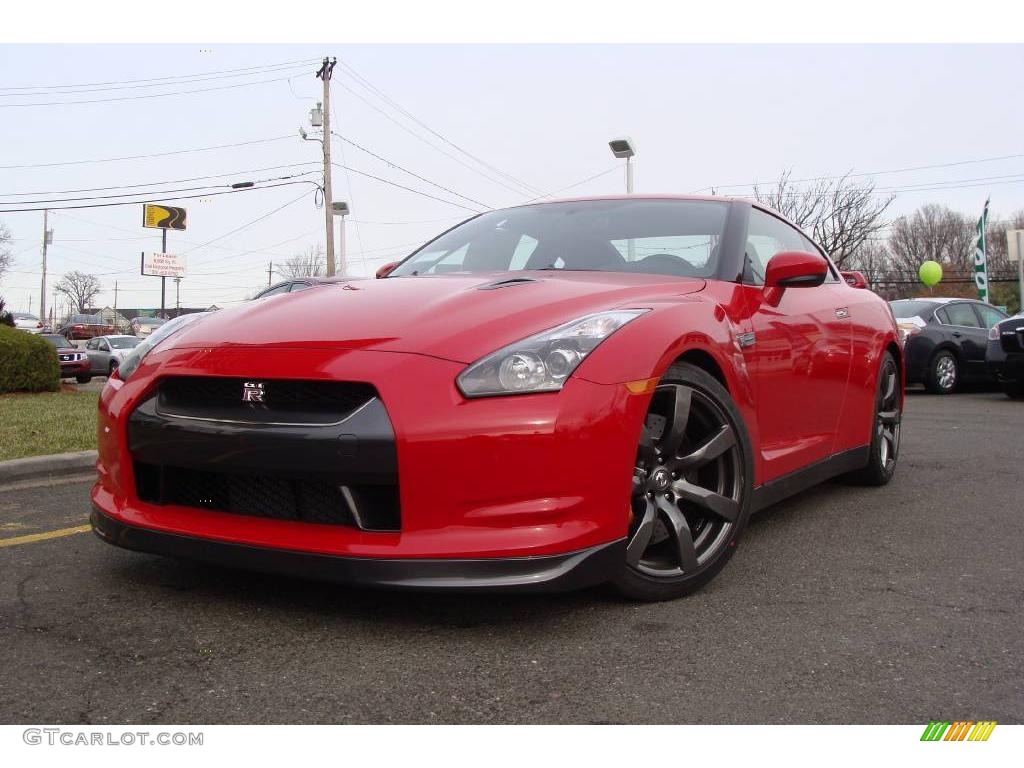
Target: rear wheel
(111, 368)
(885, 432)
(83, 379)
(691, 488)
(943, 373)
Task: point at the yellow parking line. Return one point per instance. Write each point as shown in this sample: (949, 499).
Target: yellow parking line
(32, 537)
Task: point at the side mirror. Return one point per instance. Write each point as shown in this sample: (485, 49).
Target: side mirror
(855, 279)
(387, 269)
(795, 269)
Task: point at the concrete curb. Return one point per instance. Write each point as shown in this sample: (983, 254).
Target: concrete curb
(41, 466)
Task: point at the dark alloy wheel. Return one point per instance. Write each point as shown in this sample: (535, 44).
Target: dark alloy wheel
(1014, 390)
(111, 368)
(691, 487)
(943, 373)
(885, 434)
(83, 379)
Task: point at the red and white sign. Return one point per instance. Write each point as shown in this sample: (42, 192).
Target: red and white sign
(163, 265)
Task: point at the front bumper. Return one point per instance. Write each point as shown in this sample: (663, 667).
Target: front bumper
(550, 573)
(74, 368)
(502, 479)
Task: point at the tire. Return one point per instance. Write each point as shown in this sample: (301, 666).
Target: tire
(1014, 390)
(943, 376)
(111, 368)
(83, 379)
(887, 417)
(692, 487)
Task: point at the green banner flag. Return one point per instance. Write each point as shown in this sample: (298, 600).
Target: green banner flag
(980, 262)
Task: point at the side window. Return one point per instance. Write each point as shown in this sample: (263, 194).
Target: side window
(102, 345)
(962, 314)
(275, 291)
(300, 286)
(989, 315)
(90, 344)
(766, 236)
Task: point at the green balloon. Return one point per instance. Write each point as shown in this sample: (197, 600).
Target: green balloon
(930, 273)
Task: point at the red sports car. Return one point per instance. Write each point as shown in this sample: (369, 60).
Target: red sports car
(542, 398)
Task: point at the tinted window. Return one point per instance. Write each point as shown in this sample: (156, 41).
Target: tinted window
(57, 341)
(911, 308)
(767, 236)
(670, 237)
(960, 314)
(125, 342)
(989, 315)
(296, 287)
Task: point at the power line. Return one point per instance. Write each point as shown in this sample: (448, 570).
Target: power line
(154, 200)
(155, 183)
(868, 173)
(73, 90)
(151, 79)
(247, 224)
(151, 155)
(572, 186)
(429, 144)
(406, 170)
(142, 96)
(394, 105)
(402, 186)
(165, 193)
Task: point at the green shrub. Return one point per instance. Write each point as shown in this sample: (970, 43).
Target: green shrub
(28, 363)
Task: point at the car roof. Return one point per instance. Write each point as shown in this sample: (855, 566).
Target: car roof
(938, 299)
(117, 336)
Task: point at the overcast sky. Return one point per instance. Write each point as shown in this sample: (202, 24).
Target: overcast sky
(701, 115)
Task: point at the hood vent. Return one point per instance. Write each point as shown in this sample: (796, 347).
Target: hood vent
(507, 282)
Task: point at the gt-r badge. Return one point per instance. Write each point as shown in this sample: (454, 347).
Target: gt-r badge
(842, 313)
(252, 392)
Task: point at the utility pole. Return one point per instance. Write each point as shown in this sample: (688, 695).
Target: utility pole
(42, 289)
(115, 296)
(324, 73)
(270, 272)
(177, 296)
(163, 280)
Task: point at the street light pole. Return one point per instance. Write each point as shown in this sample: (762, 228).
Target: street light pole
(629, 175)
(42, 286)
(324, 73)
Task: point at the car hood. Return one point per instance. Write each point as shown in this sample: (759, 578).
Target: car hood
(455, 317)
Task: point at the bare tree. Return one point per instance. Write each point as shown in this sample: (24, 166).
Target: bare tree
(840, 214)
(79, 288)
(933, 232)
(309, 263)
(873, 260)
(5, 251)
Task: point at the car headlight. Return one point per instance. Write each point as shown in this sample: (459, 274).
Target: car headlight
(542, 363)
(133, 359)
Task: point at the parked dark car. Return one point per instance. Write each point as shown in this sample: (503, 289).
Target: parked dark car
(291, 286)
(81, 327)
(73, 362)
(143, 326)
(1005, 355)
(944, 340)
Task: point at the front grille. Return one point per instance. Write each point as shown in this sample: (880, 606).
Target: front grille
(214, 397)
(1013, 339)
(369, 507)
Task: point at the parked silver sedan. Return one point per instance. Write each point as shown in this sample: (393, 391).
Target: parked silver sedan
(107, 352)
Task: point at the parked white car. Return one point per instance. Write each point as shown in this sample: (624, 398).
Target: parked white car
(27, 322)
(106, 352)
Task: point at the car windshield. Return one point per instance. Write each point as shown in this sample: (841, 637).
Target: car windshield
(57, 341)
(124, 342)
(666, 237)
(910, 308)
(23, 316)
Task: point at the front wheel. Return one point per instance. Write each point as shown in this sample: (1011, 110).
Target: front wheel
(83, 379)
(885, 430)
(692, 485)
(111, 368)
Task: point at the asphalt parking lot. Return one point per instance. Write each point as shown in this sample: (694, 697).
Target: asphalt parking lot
(842, 605)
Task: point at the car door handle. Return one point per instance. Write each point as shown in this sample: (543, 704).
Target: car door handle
(957, 334)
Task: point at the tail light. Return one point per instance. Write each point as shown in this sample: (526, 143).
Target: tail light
(907, 330)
